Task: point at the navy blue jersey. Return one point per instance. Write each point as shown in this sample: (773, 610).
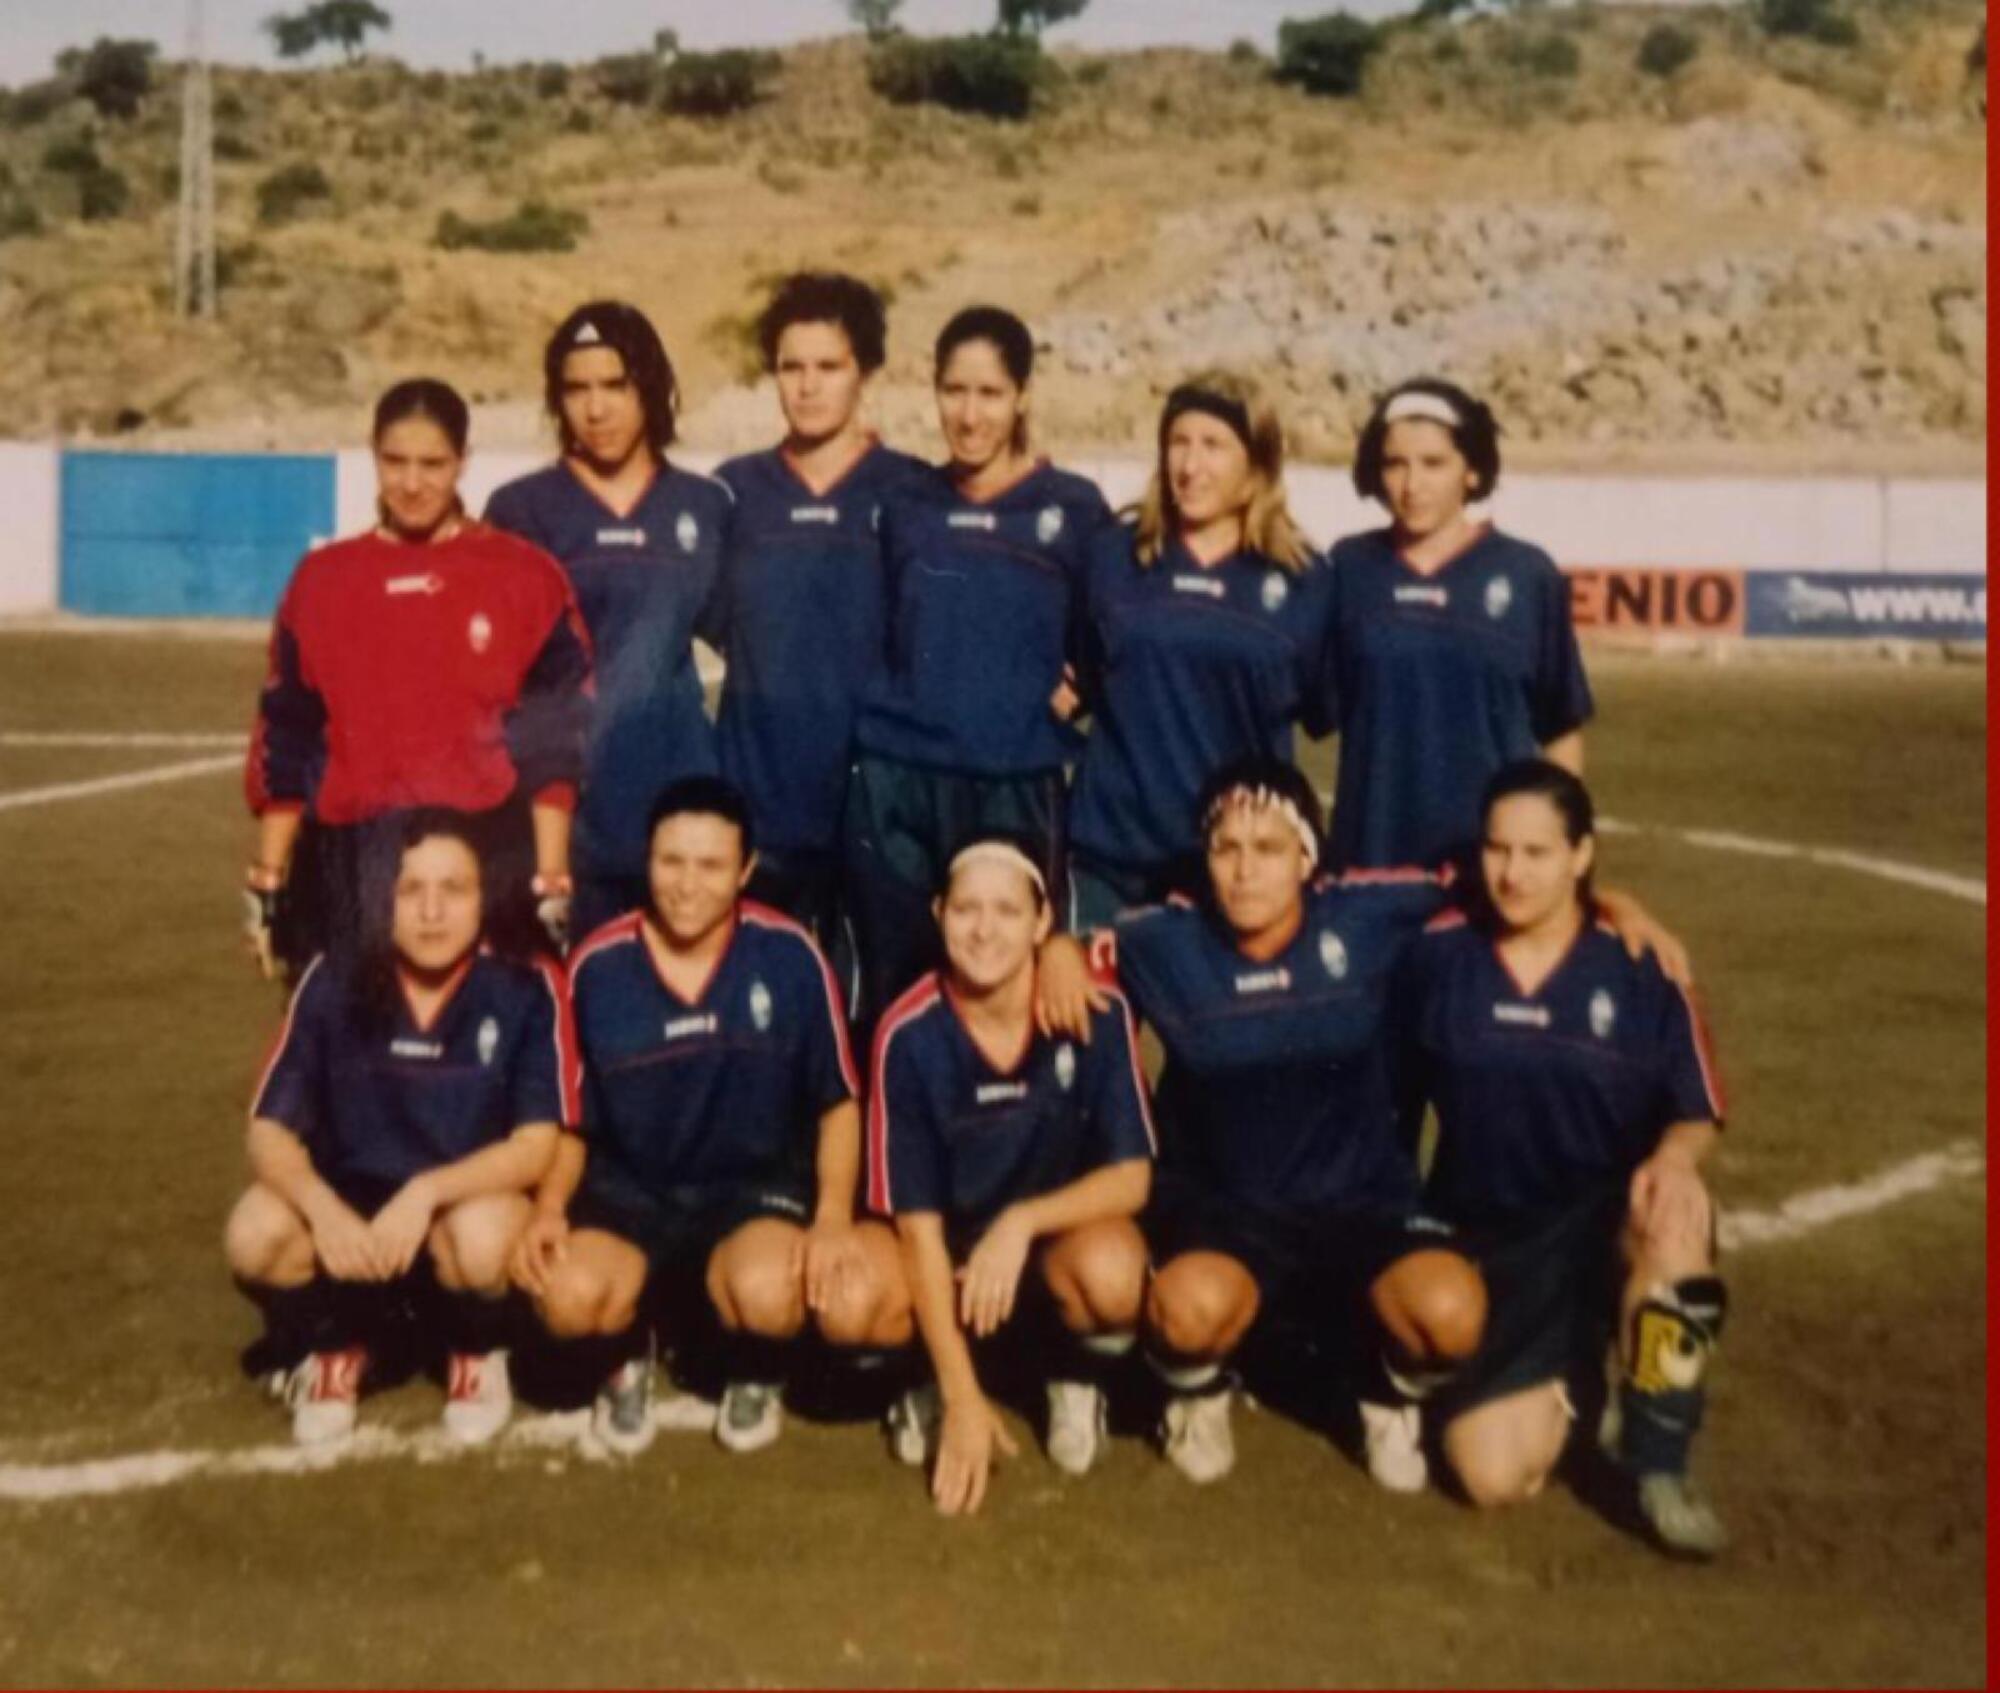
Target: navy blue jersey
(1277, 1086)
(984, 604)
(1185, 669)
(388, 1102)
(1435, 682)
(642, 581)
(799, 618)
(951, 1133)
(1543, 1097)
(726, 1088)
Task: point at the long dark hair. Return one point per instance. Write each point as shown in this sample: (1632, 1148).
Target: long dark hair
(629, 333)
(1476, 435)
(1007, 335)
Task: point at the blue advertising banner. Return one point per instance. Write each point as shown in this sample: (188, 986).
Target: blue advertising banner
(196, 535)
(1832, 605)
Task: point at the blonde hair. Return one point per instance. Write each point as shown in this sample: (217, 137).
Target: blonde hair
(1268, 526)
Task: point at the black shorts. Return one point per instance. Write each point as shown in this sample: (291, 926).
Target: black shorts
(1313, 1264)
(678, 1228)
(1553, 1284)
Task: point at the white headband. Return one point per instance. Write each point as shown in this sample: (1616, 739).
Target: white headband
(1246, 798)
(1417, 403)
(1000, 852)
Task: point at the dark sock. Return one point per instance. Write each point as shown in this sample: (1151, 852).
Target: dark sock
(754, 1358)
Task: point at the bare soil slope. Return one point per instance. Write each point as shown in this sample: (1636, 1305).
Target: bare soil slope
(1773, 259)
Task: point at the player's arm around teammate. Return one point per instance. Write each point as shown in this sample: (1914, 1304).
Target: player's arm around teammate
(432, 661)
(1451, 648)
(964, 727)
(1576, 1101)
(1204, 632)
(719, 1094)
(409, 1108)
(1013, 1165)
(643, 541)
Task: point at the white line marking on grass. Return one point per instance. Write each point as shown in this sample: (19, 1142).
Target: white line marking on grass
(118, 784)
(1969, 888)
(1805, 1213)
(562, 1435)
(559, 1434)
(37, 738)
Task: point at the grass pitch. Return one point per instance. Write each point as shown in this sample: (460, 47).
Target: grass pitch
(1846, 1446)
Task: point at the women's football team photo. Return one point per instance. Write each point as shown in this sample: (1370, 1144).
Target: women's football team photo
(981, 992)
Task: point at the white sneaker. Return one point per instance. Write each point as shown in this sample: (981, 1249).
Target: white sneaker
(1393, 1438)
(622, 1417)
(479, 1397)
(1195, 1435)
(324, 1393)
(751, 1415)
(1681, 1518)
(1078, 1425)
(914, 1421)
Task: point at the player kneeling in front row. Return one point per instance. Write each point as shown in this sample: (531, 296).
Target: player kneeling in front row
(1284, 1185)
(1575, 1098)
(721, 1141)
(1003, 1154)
(414, 1100)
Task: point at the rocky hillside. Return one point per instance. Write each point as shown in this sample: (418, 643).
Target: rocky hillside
(1772, 257)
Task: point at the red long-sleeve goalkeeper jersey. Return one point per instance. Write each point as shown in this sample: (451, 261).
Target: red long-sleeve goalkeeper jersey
(401, 674)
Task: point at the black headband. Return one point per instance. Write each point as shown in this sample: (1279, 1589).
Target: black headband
(1207, 401)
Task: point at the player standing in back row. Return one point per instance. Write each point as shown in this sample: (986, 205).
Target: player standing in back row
(799, 612)
(1451, 649)
(643, 542)
(965, 729)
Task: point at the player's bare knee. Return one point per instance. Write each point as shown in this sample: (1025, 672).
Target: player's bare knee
(1197, 1313)
(1495, 1482)
(266, 1242)
(1099, 1279)
(1436, 1300)
(760, 1293)
(576, 1302)
(864, 1311)
(471, 1243)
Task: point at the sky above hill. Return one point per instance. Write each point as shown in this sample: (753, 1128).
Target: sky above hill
(448, 32)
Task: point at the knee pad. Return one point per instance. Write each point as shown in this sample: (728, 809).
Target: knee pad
(1674, 1332)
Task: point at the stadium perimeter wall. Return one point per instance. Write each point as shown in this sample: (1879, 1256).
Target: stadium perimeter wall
(200, 535)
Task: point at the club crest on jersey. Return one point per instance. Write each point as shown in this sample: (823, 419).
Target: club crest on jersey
(1066, 1066)
(1276, 591)
(1049, 525)
(480, 631)
(687, 532)
(1603, 1014)
(489, 1041)
(1333, 954)
(1499, 596)
(760, 1006)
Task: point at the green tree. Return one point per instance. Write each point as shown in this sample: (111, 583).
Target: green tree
(877, 18)
(327, 23)
(1031, 17)
(1327, 55)
(114, 76)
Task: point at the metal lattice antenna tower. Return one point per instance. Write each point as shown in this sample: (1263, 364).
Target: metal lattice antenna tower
(194, 235)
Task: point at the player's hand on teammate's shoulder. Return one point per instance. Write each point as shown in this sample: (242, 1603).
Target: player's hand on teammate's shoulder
(1644, 934)
(1065, 991)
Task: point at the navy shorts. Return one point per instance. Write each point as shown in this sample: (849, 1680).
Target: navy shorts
(678, 1228)
(1552, 1292)
(1316, 1262)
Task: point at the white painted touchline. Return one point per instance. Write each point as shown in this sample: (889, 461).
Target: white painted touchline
(1969, 888)
(117, 784)
(66, 738)
(1805, 1213)
(567, 1434)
